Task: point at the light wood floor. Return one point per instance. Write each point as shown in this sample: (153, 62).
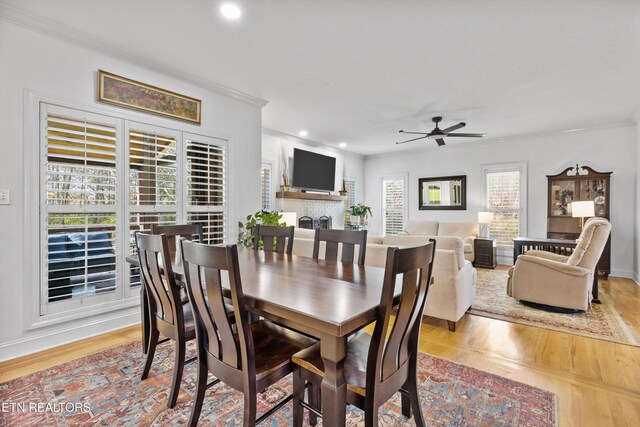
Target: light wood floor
(597, 382)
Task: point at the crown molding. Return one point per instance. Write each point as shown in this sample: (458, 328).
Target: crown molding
(62, 32)
(504, 139)
(283, 135)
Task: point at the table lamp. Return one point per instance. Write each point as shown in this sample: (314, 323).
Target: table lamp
(583, 210)
(484, 219)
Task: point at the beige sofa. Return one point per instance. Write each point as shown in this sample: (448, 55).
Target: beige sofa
(454, 287)
(467, 231)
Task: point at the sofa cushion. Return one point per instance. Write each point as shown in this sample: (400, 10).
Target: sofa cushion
(460, 229)
(304, 233)
(405, 240)
(99, 243)
(57, 246)
(76, 245)
(422, 228)
(468, 248)
(374, 239)
(592, 240)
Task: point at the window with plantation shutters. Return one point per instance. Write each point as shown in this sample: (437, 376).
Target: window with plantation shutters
(504, 196)
(79, 207)
(104, 178)
(206, 186)
(350, 188)
(265, 185)
(393, 204)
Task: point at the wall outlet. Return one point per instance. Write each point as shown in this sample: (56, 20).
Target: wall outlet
(4, 197)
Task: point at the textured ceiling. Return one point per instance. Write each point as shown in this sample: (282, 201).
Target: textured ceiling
(358, 71)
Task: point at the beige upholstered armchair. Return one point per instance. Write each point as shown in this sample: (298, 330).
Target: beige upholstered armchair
(561, 281)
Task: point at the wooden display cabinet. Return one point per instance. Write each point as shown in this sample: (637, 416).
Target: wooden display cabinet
(576, 184)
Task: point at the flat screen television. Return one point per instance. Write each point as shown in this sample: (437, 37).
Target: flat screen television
(313, 171)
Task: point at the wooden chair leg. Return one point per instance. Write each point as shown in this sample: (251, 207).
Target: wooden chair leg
(250, 407)
(315, 401)
(370, 413)
(414, 398)
(178, 367)
(201, 387)
(298, 395)
(451, 325)
(406, 402)
(151, 351)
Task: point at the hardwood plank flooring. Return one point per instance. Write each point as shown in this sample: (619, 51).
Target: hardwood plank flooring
(597, 382)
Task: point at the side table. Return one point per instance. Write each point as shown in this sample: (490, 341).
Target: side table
(485, 253)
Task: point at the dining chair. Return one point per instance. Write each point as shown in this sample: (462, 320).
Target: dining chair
(274, 238)
(177, 232)
(169, 316)
(348, 239)
(249, 358)
(377, 366)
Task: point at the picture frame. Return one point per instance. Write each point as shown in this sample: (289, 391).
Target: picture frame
(128, 93)
(443, 193)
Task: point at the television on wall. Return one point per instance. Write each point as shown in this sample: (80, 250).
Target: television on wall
(313, 171)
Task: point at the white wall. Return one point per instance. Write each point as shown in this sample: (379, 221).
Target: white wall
(636, 234)
(613, 149)
(32, 61)
(353, 164)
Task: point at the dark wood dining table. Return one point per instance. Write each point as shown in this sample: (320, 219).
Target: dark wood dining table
(325, 299)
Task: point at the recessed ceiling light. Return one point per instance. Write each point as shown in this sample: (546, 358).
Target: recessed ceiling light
(303, 133)
(342, 144)
(230, 11)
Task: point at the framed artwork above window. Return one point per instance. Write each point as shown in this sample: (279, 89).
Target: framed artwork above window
(443, 193)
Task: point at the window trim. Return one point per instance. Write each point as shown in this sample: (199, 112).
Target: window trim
(508, 167)
(397, 176)
(31, 248)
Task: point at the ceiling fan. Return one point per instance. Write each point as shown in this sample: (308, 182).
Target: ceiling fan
(439, 134)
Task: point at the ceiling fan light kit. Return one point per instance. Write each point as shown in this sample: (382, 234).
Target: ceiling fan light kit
(439, 134)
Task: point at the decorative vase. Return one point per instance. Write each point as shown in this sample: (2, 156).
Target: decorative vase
(342, 193)
(284, 188)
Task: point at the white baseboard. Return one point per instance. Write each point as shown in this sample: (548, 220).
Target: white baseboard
(636, 278)
(92, 327)
(623, 273)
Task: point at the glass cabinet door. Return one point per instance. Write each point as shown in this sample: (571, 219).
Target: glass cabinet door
(562, 194)
(596, 190)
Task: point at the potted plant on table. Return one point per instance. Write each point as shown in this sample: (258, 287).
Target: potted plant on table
(360, 212)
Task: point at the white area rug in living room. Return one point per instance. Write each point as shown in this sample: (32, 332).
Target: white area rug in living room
(602, 321)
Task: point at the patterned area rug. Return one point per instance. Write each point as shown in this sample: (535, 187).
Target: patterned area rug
(602, 321)
(106, 390)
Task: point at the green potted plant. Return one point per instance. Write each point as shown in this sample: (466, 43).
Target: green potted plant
(245, 234)
(361, 212)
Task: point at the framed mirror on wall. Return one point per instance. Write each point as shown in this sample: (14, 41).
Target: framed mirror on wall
(443, 193)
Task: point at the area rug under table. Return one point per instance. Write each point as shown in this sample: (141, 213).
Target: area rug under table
(601, 321)
(108, 385)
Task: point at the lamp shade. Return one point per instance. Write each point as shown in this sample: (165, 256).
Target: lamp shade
(485, 217)
(583, 209)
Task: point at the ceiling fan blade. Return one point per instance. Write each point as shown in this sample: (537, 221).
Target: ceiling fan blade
(409, 140)
(467, 135)
(415, 133)
(440, 142)
(454, 127)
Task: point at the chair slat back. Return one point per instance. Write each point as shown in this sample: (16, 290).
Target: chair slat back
(179, 231)
(205, 265)
(157, 277)
(388, 354)
(274, 238)
(348, 239)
